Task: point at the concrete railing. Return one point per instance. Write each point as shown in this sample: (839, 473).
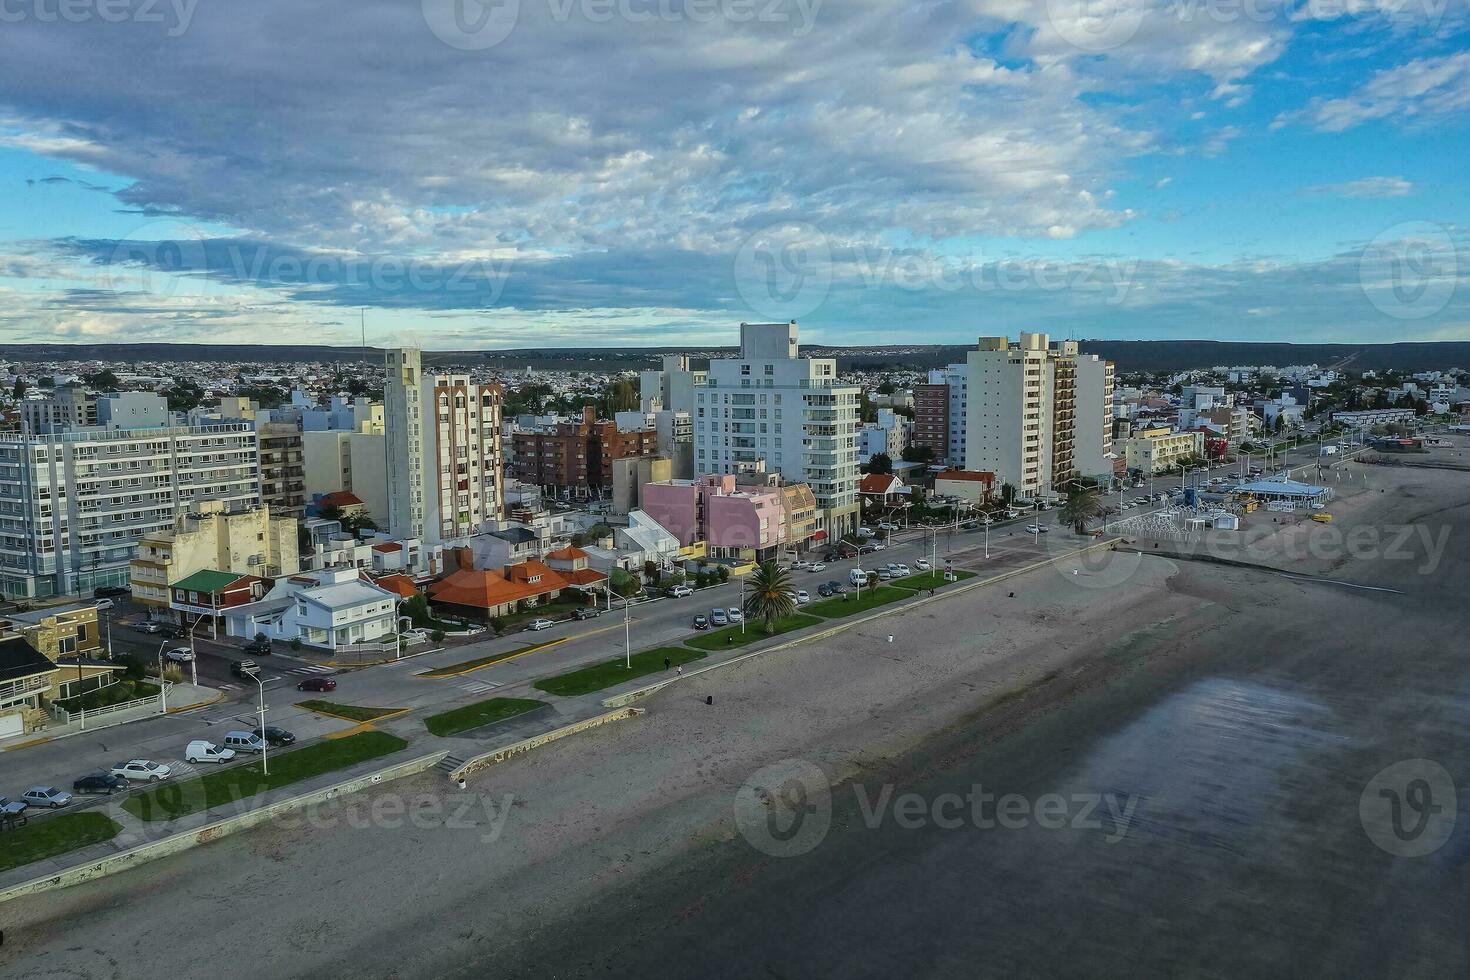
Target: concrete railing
(66, 717)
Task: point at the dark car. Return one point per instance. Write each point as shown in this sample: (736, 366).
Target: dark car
(837, 588)
(825, 591)
(317, 684)
(99, 782)
(258, 648)
(245, 669)
(586, 612)
(867, 549)
(274, 735)
(111, 592)
(701, 622)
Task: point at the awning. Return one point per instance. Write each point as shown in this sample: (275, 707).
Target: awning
(819, 536)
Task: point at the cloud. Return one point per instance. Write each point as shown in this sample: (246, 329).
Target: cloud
(1366, 187)
(1422, 91)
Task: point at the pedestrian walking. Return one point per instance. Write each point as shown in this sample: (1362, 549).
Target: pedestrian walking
(680, 669)
(667, 662)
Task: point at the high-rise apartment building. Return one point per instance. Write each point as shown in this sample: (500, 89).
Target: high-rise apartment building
(771, 410)
(74, 504)
(251, 540)
(282, 468)
(931, 417)
(577, 456)
(1032, 412)
(443, 452)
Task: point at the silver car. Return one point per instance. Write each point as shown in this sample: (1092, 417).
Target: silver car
(47, 796)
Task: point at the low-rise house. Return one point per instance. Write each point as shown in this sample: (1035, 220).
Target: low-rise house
(882, 490)
(71, 638)
(329, 609)
(733, 521)
(202, 599)
(483, 593)
(26, 676)
(974, 487)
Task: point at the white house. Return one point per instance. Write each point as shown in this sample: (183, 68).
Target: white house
(328, 609)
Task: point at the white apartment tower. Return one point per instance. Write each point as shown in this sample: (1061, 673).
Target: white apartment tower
(74, 504)
(1035, 413)
(443, 458)
(771, 410)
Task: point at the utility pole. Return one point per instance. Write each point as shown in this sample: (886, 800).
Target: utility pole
(265, 768)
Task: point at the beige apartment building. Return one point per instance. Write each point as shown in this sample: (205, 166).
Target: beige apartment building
(1157, 450)
(247, 541)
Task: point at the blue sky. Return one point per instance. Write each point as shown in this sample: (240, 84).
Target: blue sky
(882, 172)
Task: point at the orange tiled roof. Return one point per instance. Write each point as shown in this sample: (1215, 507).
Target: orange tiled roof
(341, 498)
(879, 483)
(570, 553)
(401, 584)
(388, 548)
(977, 476)
(484, 589)
(584, 576)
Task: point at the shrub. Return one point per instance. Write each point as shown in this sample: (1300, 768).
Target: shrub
(173, 675)
(437, 636)
(498, 624)
(724, 574)
(295, 643)
(134, 670)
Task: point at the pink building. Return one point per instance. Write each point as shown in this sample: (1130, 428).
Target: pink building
(712, 509)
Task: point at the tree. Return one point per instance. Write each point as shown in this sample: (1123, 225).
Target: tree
(622, 582)
(1007, 493)
(620, 396)
(723, 574)
(1082, 504)
(598, 531)
(770, 597)
(880, 463)
(103, 380)
(887, 388)
(917, 454)
(19, 391)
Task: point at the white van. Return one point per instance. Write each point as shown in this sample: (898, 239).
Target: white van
(202, 751)
(244, 742)
(857, 576)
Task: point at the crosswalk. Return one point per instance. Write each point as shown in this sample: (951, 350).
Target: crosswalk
(313, 669)
(478, 687)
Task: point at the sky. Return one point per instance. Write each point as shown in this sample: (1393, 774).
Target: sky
(553, 173)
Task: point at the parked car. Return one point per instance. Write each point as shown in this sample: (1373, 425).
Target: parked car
(540, 624)
(102, 604)
(866, 532)
(140, 771)
(866, 549)
(718, 617)
(317, 683)
(817, 567)
(244, 742)
(274, 736)
(701, 622)
(201, 751)
(111, 592)
(47, 796)
(885, 526)
(824, 590)
(801, 565)
(586, 612)
(179, 655)
(148, 626)
(803, 597)
(680, 592)
(11, 808)
(837, 588)
(922, 564)
(903, 569)
(98, 782)
(736, 616)
(884, 575)
(246, 670)
(879, 546)
(258, 648)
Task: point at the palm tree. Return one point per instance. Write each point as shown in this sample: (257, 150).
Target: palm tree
(770, 598)
(1082, 504)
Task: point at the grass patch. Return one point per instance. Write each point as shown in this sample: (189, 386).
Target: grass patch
(478, 662)
(555, 610)
(850, 604)
(605, 675)
(351, 712)
(929, 580)
(754, 632)
(171, 800)
(479, 714)
(55, 835)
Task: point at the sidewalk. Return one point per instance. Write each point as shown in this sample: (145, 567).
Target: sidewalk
(181, 697)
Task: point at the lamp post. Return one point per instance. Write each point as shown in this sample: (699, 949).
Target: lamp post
(742, 605)
(627, 637)
(162, 684)
(265, 768)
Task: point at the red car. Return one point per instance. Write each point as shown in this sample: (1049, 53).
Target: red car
(317, 684)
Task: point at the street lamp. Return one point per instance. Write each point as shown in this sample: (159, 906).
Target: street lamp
(265, 768)
(162, 684)
(628, 637)
(742, 605)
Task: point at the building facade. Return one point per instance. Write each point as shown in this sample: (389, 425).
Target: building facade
(443, 455)
(73, 505)
(1157, 450)
(576, 456)
(249, 540)
(282, 468)
(771, 410)
(931, 417)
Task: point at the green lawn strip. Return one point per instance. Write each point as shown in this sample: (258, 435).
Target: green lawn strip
(55, 835)
(557, 609)
(479, 714)
(479, 662)
(928, 580)
(351, 712)
(754, 632)
(851, 604)
(170, 800)
(599, 676)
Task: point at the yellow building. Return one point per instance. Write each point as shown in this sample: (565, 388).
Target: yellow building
(1157, 450)
(249, 541)
(72, 638)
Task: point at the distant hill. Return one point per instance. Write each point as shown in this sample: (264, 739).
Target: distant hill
(1129, 355)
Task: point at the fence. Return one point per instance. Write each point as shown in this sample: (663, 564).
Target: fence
(88, 714)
